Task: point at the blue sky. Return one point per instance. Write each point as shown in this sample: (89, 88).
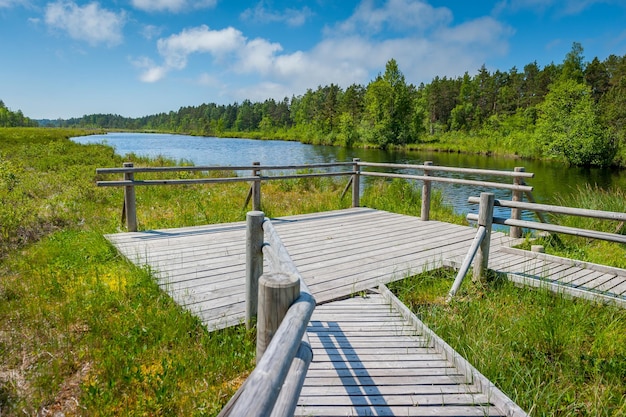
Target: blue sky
(67, 58)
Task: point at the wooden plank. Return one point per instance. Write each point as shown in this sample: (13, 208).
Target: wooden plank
(389, 398)
(378, 362)
(400, 376)
(409, 411)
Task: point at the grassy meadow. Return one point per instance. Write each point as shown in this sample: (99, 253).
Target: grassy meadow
(84, 332)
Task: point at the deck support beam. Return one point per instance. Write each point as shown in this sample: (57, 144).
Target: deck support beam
(516, 214)
(130, 204)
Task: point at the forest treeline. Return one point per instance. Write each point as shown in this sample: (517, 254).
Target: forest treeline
(9, 118)
(574, 111)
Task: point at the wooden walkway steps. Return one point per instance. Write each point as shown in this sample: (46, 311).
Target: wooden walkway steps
(372, 357)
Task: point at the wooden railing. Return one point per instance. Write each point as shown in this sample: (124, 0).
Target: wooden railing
(552, 228)
(355, 170)
(479, 250)
(283, 304)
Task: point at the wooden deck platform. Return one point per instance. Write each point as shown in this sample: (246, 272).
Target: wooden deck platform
(337, 253)
(340, 253)
(371, 355)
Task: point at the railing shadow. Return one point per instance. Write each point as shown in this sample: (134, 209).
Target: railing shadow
(366, 398)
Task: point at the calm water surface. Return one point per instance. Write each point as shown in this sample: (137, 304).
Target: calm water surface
(550, 181)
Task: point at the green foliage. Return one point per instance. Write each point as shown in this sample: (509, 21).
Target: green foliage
(388, 108)
(505, 106)
(552, 355)
(568, 126)
(10, 118)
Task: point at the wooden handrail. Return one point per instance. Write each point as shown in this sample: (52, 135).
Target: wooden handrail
(273, 388)
(450, 181)
(547, 208)
(428, 167)
(354, 170)
(553, 228)
(221, 168)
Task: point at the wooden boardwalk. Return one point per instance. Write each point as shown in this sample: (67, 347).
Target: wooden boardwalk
(371, 355)
(337, 253)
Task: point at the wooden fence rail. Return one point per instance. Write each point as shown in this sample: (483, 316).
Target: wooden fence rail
(283, 304)
(572, 211)
(355, 170)
(486, 209)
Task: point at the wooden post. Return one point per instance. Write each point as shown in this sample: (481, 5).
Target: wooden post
(277, 292)
(130, 205)
(516, 214)
(537, 248)
(356, 183)
(256, 189)
(254, 262)
(485, 218)
(425, 213)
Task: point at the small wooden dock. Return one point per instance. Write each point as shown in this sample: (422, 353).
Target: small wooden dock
(338, 253)
(371, 356)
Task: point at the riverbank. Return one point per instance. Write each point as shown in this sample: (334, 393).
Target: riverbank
(82, 331)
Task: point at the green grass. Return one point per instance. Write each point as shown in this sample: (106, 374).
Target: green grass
(552, 355)
(84, 332)
(591, 250)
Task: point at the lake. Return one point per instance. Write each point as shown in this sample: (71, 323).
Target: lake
(550, 181)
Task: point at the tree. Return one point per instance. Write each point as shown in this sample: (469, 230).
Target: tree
(597, 77)
(568, 126)
(573, 67)
(388, 107)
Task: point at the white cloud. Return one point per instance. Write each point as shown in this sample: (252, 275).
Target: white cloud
(560, 7)
(293, 17)
(172, 5)
(11, 3)
(176, 49)
(259, 56)
(90, 23)
(424, 41)
(395, 16)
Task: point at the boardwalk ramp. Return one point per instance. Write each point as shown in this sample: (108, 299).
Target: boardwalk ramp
(571, 277)
(373, 357)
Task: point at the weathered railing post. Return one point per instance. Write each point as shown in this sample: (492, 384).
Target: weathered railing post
(356, 183)
(254, 263)
(256, 188)
(130, 204)
(277, 292)
(516, 214)
(425, 213)
(485, 218)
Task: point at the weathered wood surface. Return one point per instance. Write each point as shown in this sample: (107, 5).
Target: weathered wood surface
(369, 360)
(338, 253)
(571, 277)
